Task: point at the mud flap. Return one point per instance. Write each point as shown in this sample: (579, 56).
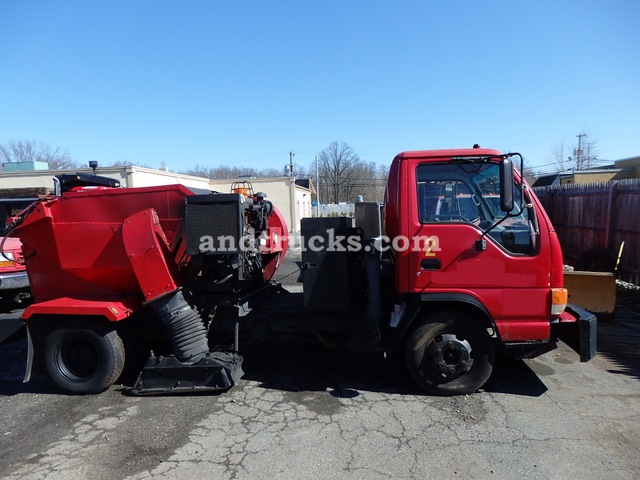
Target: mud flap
(580, 335)
(215, 372)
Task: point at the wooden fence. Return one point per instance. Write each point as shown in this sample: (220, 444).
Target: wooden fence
(597, 215)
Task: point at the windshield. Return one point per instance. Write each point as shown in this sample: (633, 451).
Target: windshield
(470, 193)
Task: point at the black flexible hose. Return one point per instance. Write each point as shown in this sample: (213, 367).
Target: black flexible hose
(187, 333)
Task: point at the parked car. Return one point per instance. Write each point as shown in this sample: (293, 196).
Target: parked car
(14, 283)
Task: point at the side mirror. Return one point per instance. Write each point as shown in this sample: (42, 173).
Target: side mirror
(506, 185)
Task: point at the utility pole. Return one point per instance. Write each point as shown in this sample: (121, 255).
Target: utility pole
(578, 154)
(291, 155)
(293, 227)
(317, 189)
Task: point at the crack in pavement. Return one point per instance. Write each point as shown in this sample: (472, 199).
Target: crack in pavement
(89, 436)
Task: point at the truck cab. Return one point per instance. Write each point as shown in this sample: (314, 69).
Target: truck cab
(477, 264)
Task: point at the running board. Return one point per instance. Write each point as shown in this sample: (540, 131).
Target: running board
(165, 375)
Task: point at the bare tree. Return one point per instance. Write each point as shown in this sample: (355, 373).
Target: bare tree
(127, 163)
(559, 157)
(529, 175)
(343, 176)
(583, 156)
(338, 165)
(232, 172)
(270, 172)
(382, 175)
(198, 171)
(369, 180)
(227, 172)
(32, 151)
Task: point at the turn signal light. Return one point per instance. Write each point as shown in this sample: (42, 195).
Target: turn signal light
(559, 298)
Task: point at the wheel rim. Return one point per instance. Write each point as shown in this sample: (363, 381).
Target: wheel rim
(450, 355)
(77, 360)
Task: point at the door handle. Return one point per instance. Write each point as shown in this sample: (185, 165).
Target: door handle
(430, 264)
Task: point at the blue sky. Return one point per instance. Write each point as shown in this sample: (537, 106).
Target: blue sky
(244, 82)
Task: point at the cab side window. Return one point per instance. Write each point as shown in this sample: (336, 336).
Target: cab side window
(470, 193)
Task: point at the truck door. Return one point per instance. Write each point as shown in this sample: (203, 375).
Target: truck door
(455, 204)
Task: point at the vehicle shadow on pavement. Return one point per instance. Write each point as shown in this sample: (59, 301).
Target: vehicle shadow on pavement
(618, 341)
(12, 367)
(514, 377)
(300, 364)
(307, 366)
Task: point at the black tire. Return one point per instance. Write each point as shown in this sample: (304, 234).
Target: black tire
(83, 357)
(449, 353)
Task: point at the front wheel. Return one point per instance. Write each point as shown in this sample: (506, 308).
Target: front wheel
(83, 357)
(449, 353)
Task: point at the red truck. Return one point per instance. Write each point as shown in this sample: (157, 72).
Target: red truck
(14, 283)
(185, 278)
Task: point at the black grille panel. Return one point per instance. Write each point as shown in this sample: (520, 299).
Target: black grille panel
(214, 224)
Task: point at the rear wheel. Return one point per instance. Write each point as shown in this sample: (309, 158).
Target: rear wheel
(83, 357)
(449, 353)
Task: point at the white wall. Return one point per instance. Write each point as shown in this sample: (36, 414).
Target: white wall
(147, 177)
(303, 203)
